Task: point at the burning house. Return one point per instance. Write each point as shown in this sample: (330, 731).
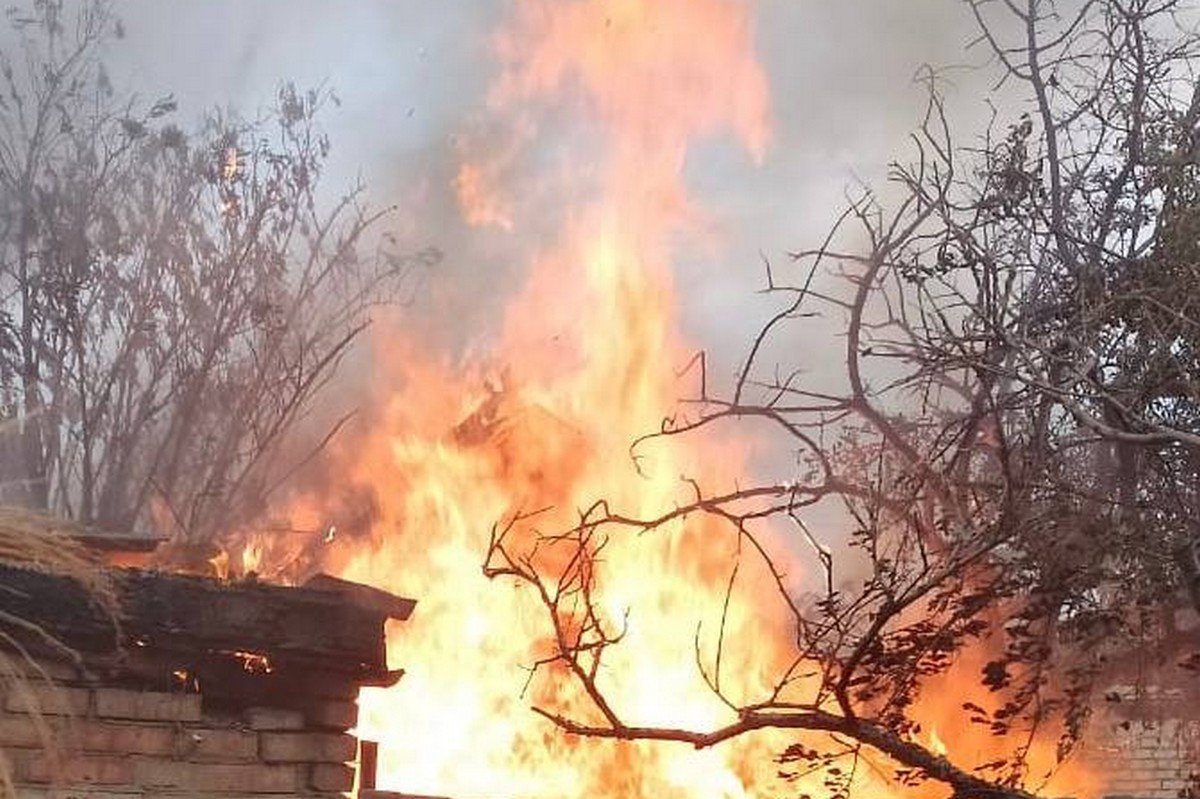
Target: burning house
(176, 685)
(186, 686)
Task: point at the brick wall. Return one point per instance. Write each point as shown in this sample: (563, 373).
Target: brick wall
(1145, 743)
(112, 742)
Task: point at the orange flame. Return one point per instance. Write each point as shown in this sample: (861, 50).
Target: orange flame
(936, 744)
(588, 349)
(480, 205)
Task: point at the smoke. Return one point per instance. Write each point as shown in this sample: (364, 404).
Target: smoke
(412, 81)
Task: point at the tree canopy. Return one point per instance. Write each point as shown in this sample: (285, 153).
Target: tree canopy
(172, 300)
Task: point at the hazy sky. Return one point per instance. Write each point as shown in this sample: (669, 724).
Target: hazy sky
(412, 78)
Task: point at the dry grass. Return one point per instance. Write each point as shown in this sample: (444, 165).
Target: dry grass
(33, 540)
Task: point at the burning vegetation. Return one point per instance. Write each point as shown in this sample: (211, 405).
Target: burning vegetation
(638, 575)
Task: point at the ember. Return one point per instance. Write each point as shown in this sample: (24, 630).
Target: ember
(253, 662)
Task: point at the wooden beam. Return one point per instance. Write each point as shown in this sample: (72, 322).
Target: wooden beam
(392, 606)
(320, 628)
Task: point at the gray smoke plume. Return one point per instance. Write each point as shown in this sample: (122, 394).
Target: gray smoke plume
(412, 80)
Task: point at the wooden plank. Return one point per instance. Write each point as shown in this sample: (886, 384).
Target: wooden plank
(117, 542)
(174, 610)
(186, 614)
(392, 606)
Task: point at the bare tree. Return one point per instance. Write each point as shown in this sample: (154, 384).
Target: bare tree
(1016, 439)
(171, 304)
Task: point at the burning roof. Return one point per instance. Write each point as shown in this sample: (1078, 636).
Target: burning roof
(244, 641)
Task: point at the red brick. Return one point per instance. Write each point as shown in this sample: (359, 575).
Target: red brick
(79, 735)
(39, 767)
(247, 778)
(270, 718)
(103, 792)
(126, 739)
(306, 747)
(332, 715)
(217, 746)
(47, 699)
(331, 777)
(118, 703)
(17, 731)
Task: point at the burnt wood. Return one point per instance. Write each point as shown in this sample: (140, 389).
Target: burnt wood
(390, 605)
(117, 542)
(193, 619)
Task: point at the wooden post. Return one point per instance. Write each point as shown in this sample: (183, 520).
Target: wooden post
(368, 762)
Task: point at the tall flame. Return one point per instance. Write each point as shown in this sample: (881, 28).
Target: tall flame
(586, 359)
(589, 350)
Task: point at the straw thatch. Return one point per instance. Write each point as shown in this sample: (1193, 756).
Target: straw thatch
(33, 540)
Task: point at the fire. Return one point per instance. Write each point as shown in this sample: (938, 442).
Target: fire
(589, 350)
(585, 362)
(936, 744)
(480, 206)
(252, 556)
